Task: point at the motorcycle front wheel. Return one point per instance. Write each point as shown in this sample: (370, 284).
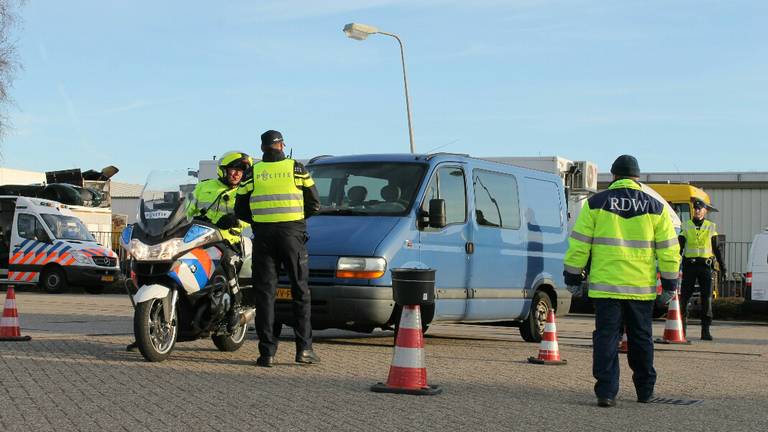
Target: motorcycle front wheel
(155, 336)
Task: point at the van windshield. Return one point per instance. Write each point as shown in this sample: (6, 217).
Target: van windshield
(67, 227)
(367, 188)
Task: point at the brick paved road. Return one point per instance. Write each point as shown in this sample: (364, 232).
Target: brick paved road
(76, 375)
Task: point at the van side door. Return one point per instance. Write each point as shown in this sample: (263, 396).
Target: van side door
(446, 249)
(7, 210)
(498, 266)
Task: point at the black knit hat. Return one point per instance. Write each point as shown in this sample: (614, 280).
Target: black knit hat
(625, 166)
(271, 137)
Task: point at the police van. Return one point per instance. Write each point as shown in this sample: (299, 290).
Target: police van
(42, 242)
(495, 233)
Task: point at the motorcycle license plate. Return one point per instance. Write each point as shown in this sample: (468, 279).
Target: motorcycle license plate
(107, 278)
(283, 294)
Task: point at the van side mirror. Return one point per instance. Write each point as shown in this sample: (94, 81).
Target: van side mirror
(437, 217)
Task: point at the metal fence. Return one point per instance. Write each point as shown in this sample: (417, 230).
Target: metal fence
(736, 256)
(110, 239)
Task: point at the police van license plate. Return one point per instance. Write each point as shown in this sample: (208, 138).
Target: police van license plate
(283, 294)
(107, 278)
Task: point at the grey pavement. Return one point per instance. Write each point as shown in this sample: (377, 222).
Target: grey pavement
(76, 375)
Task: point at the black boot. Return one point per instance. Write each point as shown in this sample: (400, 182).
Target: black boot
(705, 334)
(234, 310)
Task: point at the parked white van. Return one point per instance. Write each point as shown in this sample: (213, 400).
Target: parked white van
(42, 242)
(757, 267)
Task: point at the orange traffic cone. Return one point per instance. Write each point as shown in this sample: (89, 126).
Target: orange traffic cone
(549, 352)
(673, 327)
(9, 324)
(407, 373)
(623, 345)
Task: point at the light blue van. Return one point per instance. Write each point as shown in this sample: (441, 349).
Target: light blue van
(495, 233)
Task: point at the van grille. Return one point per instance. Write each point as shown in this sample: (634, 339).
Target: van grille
(104, 261)
(313, 273)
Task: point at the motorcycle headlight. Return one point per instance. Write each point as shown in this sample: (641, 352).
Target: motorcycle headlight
(360, 268)
(164, 251)
(80, 257)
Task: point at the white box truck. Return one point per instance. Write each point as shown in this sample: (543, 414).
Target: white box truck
(757, 267)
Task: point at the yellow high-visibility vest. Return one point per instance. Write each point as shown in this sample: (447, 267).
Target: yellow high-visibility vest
(698, 240)
(275, 194)
(215, 199)
(625, 231)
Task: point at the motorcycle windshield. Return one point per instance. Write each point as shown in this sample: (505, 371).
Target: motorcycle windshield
(164, 201)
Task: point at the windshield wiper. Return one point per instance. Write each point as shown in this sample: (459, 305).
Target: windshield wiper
(341, 211)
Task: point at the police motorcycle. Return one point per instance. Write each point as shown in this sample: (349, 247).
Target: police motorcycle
(175, 263)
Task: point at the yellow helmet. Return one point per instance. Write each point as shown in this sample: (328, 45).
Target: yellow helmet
(233, 159)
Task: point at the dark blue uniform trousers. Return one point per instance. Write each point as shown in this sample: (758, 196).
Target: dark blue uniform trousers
(638, 317)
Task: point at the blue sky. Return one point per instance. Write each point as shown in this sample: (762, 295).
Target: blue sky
(682, 85)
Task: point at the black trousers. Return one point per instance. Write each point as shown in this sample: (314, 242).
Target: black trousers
(697, 271)
(273, 245)
(610, 316)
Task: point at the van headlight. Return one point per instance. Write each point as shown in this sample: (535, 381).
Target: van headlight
(164, 251)
(80, 256)
(360, 268)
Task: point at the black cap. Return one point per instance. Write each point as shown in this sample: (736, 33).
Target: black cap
(271, 137)
(625, 166)
(699, 203)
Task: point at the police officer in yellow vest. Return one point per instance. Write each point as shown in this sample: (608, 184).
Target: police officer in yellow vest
(214, 202)
(276, 201)
(626, 232)
(699, 247)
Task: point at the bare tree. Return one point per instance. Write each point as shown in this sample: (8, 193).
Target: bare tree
(9, 63)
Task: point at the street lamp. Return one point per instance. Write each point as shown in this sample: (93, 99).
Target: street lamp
(359, 31)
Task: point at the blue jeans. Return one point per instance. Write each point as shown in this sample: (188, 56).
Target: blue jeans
(638, 317)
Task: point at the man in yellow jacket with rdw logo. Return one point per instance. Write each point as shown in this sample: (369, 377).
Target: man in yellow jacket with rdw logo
(625, 232)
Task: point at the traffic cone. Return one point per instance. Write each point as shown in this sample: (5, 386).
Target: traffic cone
(673, 327)
(549, 352)
(9, 324)
(624, 345)
(407, 373)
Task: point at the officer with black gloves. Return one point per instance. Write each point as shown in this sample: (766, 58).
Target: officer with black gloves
(276, 201)
(623, 232)
(699, 248)
(214, 202)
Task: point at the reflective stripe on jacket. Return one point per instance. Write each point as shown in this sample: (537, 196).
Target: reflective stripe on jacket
(698, 240)
(625, 231)
(212, 200)
(275, 192)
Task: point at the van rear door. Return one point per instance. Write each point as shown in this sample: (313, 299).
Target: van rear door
(758, 259)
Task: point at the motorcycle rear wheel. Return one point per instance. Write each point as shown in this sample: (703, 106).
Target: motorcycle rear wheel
(154, 336)
(231, 342)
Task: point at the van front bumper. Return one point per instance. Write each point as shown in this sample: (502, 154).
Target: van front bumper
(360, 308)
(91, 276)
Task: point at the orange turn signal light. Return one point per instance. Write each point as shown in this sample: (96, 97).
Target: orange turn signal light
(346, 274)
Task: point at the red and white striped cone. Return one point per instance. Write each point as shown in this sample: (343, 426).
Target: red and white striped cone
(673, 327)
(407, 373)
(9, 323)
(624, 344)
(549, 352)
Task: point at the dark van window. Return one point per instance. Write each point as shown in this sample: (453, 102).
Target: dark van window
(448, 184)
(496, 199)
(30, 228)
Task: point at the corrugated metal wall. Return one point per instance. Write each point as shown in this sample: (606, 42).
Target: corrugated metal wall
(743, 213)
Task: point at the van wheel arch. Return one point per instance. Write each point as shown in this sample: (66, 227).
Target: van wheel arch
(53, 279)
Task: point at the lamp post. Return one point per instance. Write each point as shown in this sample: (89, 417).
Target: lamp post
(361, 32)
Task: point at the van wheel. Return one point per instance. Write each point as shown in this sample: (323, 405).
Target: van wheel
(532, 329)
(53, 280)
